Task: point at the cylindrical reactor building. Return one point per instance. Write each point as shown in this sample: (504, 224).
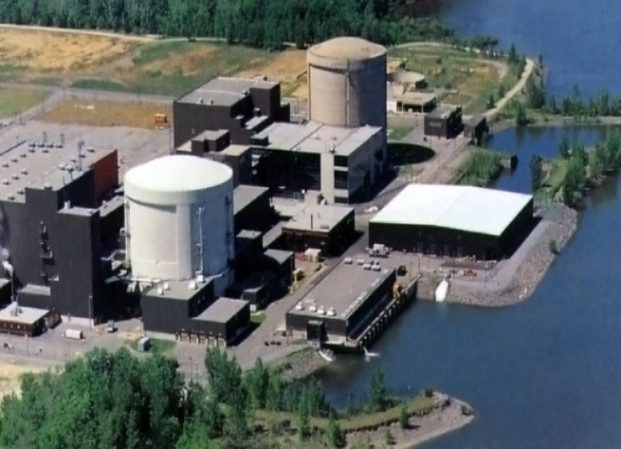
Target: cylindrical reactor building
(179, 220)
(347, 83)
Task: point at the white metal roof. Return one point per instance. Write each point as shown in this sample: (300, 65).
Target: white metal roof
(177, 174)
(465, 208)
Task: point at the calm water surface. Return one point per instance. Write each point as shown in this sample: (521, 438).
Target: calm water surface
(545, 373)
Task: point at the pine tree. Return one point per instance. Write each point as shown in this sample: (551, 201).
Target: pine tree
(564, 146)
(536, 172)
(378, 393)
(404, 420)
(334, 432)
(303, 418)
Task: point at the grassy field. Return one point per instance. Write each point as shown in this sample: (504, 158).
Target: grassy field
(15, 101)
(468, 79)
(554, 172)
(480, 167)
(107, 113)
(106, 63)
(11, 374)
(397, 134)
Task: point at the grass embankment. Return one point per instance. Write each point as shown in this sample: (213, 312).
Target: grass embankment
(115, 64)
(16, 101)
(469, 79)
(554, 171)
(257, 317)
(363, 421)
(397, 134)
(158, 346)
(480, 167)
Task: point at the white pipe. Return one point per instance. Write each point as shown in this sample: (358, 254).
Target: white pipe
(200, 237)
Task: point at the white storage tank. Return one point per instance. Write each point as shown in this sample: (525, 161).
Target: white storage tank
(179, 220)
(347, 83)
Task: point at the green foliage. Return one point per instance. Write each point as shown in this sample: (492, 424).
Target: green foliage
(303, 419)
(553, 246)
(225, 375)
(378, 393)
(519, 114)
(491, 103)
(335, 435)
(574, 182)
(255, 23)
(536, 172)
(535, 93)
(564, 147)
(480, 167)
(428, 391)
(502, 91)
(404, 420)
(102, 400)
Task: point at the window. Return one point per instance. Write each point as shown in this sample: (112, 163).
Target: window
(340, 180)
(340, 161)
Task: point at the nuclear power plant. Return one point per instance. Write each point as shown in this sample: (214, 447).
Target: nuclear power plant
(193, 242)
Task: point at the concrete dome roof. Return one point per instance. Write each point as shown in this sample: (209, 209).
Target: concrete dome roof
(177, 174)
(349, 48)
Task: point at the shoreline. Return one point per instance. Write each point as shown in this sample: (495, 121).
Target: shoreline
(556, 121)
(513, 280)
(442, 420)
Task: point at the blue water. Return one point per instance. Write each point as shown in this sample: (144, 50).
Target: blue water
(545, 373)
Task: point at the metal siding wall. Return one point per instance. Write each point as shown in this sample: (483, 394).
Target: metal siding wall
(106, 174)
(373, 301)
(78, 256)
(162, 314)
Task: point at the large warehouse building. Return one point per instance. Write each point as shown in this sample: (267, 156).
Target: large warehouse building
(453, 221)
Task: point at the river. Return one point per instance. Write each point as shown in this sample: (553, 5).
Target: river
(545, 373)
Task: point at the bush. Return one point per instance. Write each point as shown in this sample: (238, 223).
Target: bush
(553, 246)
(429, 392)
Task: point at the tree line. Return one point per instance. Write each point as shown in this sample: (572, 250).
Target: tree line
(584, 167)
(258, 23)
(106, 400)
(603, 104)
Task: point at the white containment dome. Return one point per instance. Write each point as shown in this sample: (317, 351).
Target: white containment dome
(179, 219)
(347, 83)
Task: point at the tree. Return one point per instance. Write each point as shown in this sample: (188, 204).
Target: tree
(490, 102)
(257, 383)
(303, 419)
(502, 91)
(574, 181)
(335, 435)
(536, 172)
(225, 374)
(520, 116)
(535, 93)
(579, 151)
(564, 146)
(378, 393)
(404, 419)
(512, 55)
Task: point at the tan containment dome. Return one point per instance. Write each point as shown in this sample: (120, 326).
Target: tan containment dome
(347, 83)
(179, 219)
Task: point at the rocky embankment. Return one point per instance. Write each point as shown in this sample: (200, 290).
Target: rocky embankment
(515, 279)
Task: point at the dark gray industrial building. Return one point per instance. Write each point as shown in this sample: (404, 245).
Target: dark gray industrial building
(445, 121)
(61, 217)
(475, 128)
(340, 307)
(241, 106)
(453, 221)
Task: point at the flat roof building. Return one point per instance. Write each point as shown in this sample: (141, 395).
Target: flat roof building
(328, 228)
(340, 163)
(401, 99)
(454, 221)
(61, 204)
(28, 321)
(348, 298)
(241, 106)
(445, 121)
(225, 320)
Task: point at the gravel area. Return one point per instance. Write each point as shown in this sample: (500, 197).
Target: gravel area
(515, 279)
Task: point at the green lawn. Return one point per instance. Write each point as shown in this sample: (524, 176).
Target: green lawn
(399, 133)
(257, 317)
(14, 101)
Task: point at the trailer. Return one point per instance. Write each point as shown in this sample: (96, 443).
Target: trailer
(74, 334)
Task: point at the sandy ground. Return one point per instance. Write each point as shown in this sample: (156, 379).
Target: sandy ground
(59, 52)
(107, 113)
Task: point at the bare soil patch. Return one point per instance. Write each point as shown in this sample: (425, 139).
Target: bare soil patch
(107, 113)
(10, 375)
(289, 67)
(58, 52)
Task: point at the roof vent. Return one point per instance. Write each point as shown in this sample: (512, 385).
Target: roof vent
(15, 176)
(200, 278)
(73, 159)
(331, 312)
(166, 286)
(45, 150)
(21, 191)
(31, 149)
(246, 92)
(23, 155)
(90, 149)
(299, 306)
(47, 186)
(160, 291)
(313, 308)
(13, 159)
(11, 197)
(5, 182)
(192, 285)
(5, 165)
(321, 311)
(348, 261)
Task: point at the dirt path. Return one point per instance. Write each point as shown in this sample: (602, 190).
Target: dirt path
(526, 74)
